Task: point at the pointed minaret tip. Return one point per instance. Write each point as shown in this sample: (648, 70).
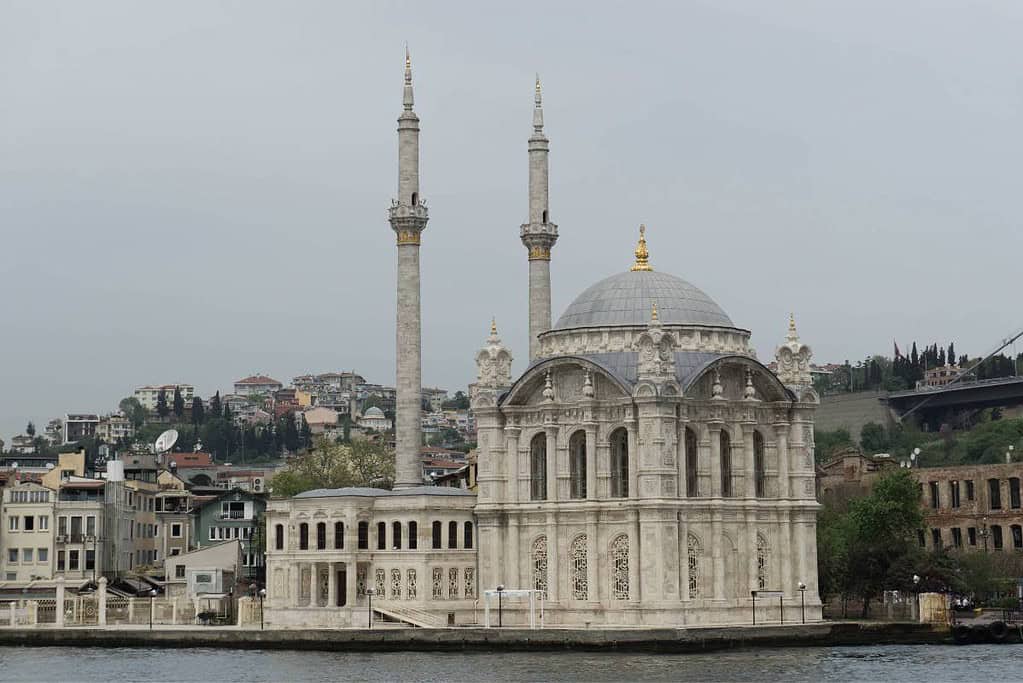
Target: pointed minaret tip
(793, 335)
(642, 255)
(493, 326)
(408, 100)
(539, 92)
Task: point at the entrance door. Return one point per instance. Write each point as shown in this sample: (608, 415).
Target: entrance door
(342, 587)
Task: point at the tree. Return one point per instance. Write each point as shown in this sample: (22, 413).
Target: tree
(178, 403)
(198, 412)
(874, 438)
(333, 465)
(215, 409)
(306, 436)
(459, 402)
(30, 429)
(132, 409)
(826, 443)
(161, 404)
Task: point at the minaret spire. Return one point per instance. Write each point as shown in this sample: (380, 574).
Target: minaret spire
(539, 234)
(408, 217)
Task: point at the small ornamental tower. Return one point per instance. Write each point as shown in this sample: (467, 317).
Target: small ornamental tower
(539, 234)
(493, 364)
(794, 359)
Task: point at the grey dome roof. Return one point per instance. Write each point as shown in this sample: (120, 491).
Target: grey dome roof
(627, 298)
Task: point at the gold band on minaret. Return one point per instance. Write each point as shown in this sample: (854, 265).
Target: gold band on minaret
(642, 255)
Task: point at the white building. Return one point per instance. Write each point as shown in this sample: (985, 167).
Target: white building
(257, 384)
(375, 419)
(148, 395)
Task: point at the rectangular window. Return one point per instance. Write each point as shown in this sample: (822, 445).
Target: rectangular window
(90, 559)
(971, 535)
(179, 571)
(437, 530)
(43, 554)
(1014, 493)
(12, 576)
(12, 556)
(1017, 536)
(30, 523)
(996, 536)
(12, 523)
(339, 535)
(72, 560)
(176, 530)
(936, 538)
(969, 489)
(60, 560)
(44, 522)
(381, 536)
(90, 526)
(27, 554)
(953, 493)
(363, 535)
(957, 537)
(413, 535)
(994, 491)
(76, 529)
(935, 498)
(213, 533)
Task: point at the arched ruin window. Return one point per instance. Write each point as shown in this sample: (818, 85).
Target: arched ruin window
(620, 567)
(759, 477)
(693, 560)
(726, 464)
(538, 467)
(619, 463)
(577, 464)
(539, 557)
(692, 460)
(578, 558)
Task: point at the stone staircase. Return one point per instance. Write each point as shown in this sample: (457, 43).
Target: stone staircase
(407, 615)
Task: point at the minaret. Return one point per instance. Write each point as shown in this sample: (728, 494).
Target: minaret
(539, 234)
(408, 218)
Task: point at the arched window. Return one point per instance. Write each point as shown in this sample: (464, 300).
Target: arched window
(692, 464)
(413, 535)
(762, 568)
(577, 464)
(363, 530)
(539, 557)
(758, 464)
(339, 535)
(321, 535)
(726, 464)
(619, 463)
(381, 535)
(578, 559)
(437, 545)
(545, 215)
(538, 467)
(415, 198)
(452, 535)
(279, 537)
(467, 540)
(693, 559)
(620, 568)
(396, 535)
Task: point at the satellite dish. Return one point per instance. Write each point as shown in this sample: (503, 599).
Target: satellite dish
(166, 441)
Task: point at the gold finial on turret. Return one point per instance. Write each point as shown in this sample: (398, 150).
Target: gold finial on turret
(493, 326)
(642, 255)
(653, 312)
(793, 335)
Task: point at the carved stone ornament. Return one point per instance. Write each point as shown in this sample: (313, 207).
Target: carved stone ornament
(717, 391)
(793, 358)
(493, 363)
(656, 351)
(750, 392)
(588, 386)
(548, 388)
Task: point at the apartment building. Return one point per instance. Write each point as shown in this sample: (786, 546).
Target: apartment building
(150, 394)
(26, 542)
(78, 426)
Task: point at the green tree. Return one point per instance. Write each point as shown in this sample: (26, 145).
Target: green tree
(874, 438)
(162, 409)
(198, 411)
(827, 443)
(459, 402)
(306, 435)
(333, 465)
(132, 409)
(178, 403)
(215, 408)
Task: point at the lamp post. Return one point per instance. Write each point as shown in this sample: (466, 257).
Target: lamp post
(500, 605)
(369, 594)
(916, 589)
(152, 602)
(262, 595)
(802, 601)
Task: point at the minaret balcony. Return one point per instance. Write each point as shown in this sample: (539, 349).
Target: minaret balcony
(408, 211)
(542, 231)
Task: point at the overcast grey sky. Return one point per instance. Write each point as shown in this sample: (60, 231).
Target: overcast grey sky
(196, 191)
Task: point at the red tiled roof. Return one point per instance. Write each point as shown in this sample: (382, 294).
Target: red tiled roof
(190, 459)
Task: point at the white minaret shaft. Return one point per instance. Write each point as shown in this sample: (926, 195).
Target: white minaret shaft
(539, 234)
(408, 218)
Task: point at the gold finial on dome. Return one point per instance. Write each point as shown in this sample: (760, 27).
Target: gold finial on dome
(653, 312)
(642, 255)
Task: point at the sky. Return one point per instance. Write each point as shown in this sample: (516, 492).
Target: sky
(196, 191)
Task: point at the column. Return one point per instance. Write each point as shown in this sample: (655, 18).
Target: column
(751, 554)
(331, 585)
(630, 429)
(635, 580)
(683, 553)
(715, 461)
(101, 593)
(592, 554)
(312, 584)
(511, 454)
(591, 462)
(552, 463)
(749, 466)
(351, 576)
(781, 447)
(553, 560)
(784, 553)
(59, 606)
(717, 559)
(514, 559)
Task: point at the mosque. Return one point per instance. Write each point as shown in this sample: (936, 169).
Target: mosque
(645, 469)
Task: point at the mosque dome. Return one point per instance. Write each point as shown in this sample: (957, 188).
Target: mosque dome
(373, 411)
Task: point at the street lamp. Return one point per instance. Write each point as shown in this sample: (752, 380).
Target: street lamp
(916, 588)
(802, 601)
(913, 457)
(152, 600)
(500, 605)
(262, 594)
(369, 594)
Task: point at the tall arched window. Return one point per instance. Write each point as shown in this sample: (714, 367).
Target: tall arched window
(339, 535)
(759, 477)
(619, 463)
(413, 535)
(762, 568)
(279, 537)
(321, 535)
(452, 535)
(620, 568)
(693, 560)
(303, 536)
(437, 528)
(396, 535)
(577, 464)
(363, 530)
(538, 467)
(467, 540)
(381, 535)
(726, 464)
(692, 460)
(580, 586)
(539, 557)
